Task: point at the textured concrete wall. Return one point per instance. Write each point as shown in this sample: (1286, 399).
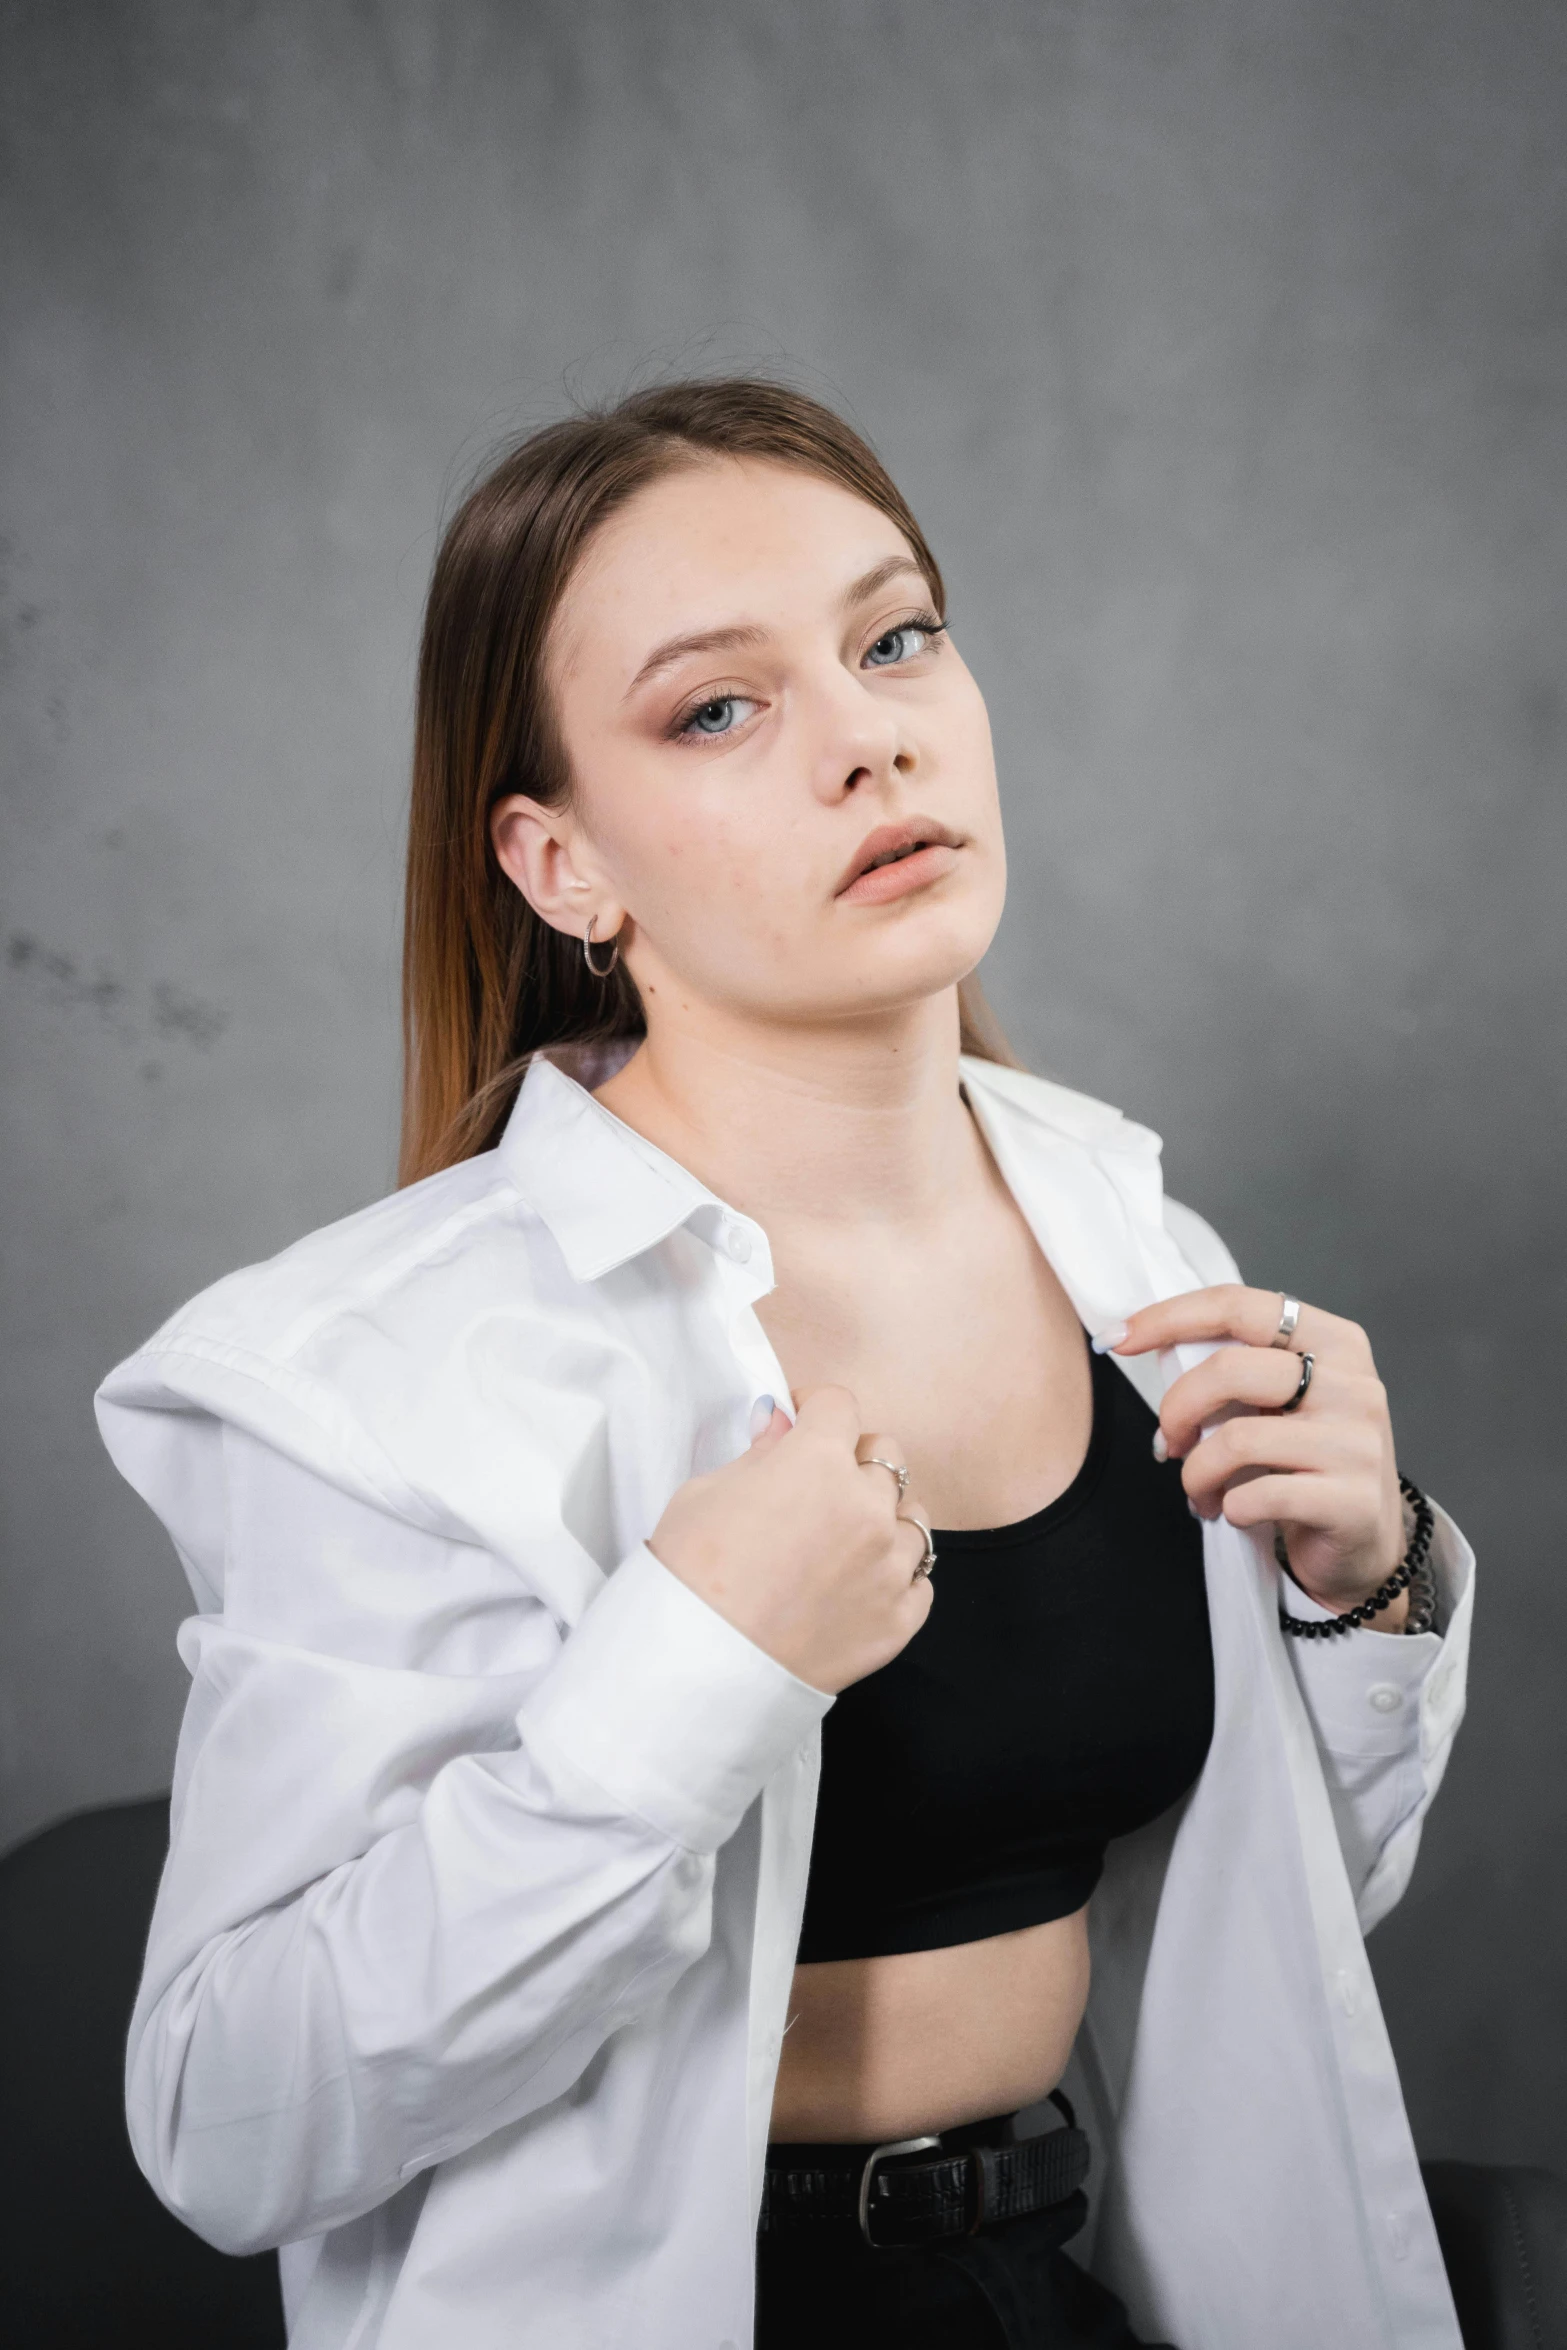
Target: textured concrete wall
(1219, 343)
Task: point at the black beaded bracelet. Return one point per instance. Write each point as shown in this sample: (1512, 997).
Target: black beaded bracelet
(1413, 1575)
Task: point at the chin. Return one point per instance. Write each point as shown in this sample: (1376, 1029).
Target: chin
(924, 961)
(874, 992)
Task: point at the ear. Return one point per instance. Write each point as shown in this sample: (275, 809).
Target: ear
(543, 851)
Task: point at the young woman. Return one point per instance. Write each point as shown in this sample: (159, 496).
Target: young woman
(693, 1648)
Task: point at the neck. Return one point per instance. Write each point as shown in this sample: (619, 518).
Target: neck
(842, 1123)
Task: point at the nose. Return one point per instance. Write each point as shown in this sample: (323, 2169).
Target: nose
(862, 742)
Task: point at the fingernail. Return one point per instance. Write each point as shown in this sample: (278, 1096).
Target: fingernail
(1111, 1335)
(1192, 1511)
(1161, 1450)
(761, 1415)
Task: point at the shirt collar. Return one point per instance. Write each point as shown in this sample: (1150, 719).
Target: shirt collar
(1075, 1116)
(1089, 1182)
(604, 1193)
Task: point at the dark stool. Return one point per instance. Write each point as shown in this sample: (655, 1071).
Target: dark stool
(1503, 2232)
(89, 2258)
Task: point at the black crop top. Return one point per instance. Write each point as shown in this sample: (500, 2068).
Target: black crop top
(1059, 1693)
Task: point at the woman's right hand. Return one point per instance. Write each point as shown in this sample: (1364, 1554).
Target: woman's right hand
(800, 1544)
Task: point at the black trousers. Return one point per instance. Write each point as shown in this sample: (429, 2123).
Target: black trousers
(1011, 2287)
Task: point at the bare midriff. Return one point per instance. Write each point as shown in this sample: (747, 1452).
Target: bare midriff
(881, 2048)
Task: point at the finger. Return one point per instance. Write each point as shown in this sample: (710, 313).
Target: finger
(912, 1540)
(1253, 1445)
(1319, 1505)
(1258, 1379)
(828, 1411)
(883, 1456)
(1247, 1316)
(921, 1599)
(768, 1423)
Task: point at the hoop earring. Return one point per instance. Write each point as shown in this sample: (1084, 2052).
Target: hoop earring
(587, 951)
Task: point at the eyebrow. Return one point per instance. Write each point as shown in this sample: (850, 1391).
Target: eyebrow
(878, 576)
(706, 640)
(718, 640)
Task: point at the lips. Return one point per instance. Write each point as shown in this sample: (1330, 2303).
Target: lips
(892, 845)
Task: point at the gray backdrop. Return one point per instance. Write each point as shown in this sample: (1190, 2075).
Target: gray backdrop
(1220, 346)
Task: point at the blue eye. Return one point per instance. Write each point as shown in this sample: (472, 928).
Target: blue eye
(904, 643)
(716, 717)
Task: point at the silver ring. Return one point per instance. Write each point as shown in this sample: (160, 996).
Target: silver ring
(1289, 1316)
(1308, 1364)
(874, 1461)
(927, 1564)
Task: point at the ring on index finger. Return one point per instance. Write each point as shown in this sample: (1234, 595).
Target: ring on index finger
(927, 1564)
(1289, 1316)
(874, 1460)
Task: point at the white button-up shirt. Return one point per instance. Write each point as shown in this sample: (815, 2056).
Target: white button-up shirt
(471, 1961)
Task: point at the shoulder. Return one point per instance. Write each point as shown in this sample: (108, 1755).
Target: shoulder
(362, 1264)
(304, 1350)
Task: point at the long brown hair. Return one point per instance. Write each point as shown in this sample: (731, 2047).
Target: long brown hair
(486, 982)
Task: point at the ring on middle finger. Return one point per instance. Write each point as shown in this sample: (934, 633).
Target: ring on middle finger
(1308, 1364)
(874, 1460)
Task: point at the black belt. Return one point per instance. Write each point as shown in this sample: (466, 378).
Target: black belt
(895, 2199)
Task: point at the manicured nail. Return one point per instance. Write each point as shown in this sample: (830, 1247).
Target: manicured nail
(1161, 1450)
(1111, 1335)
(761, 1416)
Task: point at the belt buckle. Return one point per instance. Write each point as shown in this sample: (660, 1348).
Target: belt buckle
(880, 2154)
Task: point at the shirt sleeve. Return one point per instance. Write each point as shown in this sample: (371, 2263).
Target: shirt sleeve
(429, 1849)
(1385, 1708)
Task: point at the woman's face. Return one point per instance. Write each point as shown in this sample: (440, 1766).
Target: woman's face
(759, 711)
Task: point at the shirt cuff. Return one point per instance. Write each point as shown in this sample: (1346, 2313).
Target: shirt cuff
(1365, 1689)
(671, 1710)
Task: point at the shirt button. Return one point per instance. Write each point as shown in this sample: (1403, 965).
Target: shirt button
(738, 1242)
(1385, 1698)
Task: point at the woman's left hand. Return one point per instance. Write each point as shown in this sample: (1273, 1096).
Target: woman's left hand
(1326, 1474)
